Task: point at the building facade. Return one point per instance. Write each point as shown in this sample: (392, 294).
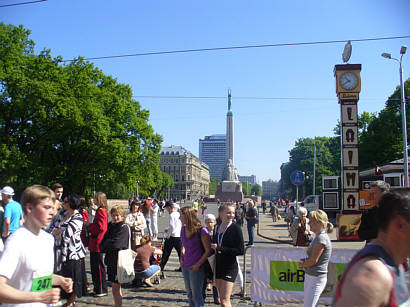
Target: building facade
(269, 189)
(212, 151)
(249, 179)
(191, 176)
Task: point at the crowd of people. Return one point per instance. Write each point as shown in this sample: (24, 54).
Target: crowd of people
(48, 235)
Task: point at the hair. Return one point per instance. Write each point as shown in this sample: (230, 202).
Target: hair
(101, 200)
(392, 204)
(56, 186)
(35, 194)
(302, 210)
(145, 239)
(321, 217)
(83, 203)
(118, 209)
(74, 201)
(135, 203)
(382, 185)
(192, 222)
(146, 206)
(225, 206)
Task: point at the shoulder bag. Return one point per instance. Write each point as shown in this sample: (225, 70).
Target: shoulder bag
(125, 266)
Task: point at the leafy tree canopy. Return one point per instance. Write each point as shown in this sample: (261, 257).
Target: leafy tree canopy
(72, 124)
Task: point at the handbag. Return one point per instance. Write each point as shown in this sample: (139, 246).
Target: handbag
(212, 264)
(125, 265)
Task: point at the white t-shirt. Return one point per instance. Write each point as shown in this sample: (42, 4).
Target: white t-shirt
(27, 256)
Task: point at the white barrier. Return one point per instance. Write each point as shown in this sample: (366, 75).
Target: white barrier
(276, 278)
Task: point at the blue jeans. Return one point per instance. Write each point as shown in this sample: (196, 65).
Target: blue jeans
(148, 272)
(194, 281)
(251, 232)
(148, 221)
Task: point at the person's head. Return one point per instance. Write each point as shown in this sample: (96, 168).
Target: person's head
(117, 214)
(378, 189)
(227, 213)
(190, 219)
(251, 203)
(58, 189)
(238, 204)
(100, 200)
(145, 240)
(319, 221)
(169, 205)
(72, 202)
(210, 221)
(6, 194)
(38, 205)
(302, 213)
(83, 203)
(135, 206)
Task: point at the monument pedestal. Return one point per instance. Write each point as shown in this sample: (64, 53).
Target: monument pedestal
(229, 191)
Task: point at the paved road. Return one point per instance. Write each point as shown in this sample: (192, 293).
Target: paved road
(171, 291)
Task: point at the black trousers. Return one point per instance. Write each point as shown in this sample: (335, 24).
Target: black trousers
(170, 243)
(98, 273)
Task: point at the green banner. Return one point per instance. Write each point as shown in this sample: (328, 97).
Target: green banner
(286, 275)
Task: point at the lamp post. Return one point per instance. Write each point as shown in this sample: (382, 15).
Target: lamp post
(403, 113)
(137, 190)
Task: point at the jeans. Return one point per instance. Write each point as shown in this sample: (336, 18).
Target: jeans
(193, 283)
(313, 288)
(251, 232)
(148, 272)
(148, 221)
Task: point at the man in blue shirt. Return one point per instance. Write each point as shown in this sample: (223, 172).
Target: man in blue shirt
(13, 212)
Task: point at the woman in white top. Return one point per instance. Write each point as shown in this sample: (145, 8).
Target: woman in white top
(154, 219)
(135, 219)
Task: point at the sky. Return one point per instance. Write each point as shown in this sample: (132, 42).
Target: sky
(186, 93)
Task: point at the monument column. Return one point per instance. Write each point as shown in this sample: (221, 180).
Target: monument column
(229, 129)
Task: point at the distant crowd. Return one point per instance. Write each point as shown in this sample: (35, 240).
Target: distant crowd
(48, 234)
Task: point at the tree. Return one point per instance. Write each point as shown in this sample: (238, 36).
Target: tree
(246, 188)
(70, 123)
(256, 190)
(213, 185)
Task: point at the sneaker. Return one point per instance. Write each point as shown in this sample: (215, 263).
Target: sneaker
(162, 276)
(178, 270)
(100, 294)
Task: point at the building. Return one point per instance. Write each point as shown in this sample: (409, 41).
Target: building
(269, 189)
(249, 179)
(212, 151)
(190, 175)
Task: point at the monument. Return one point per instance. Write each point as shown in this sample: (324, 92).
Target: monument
(230, 188)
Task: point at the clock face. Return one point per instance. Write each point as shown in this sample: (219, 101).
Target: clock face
(348, 81)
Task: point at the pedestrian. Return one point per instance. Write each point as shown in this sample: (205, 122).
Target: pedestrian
(368, 225)
(316, 263)
(239, 214)
(97, 230)
(26, 265)
(300, 229)
(210, 222)
(173, 233)
(135, 219)
(72, 249)
(13, 213)
(154, 219)
(227, 244)
(264, 207)
(195, 251)
(146, 210)
(143, 269)
(86, 218)
(195, 205)
(115, 239)
(251, 220)
(203, 208)
(375, 276)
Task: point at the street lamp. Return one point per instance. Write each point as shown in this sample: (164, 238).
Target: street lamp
(403, 113)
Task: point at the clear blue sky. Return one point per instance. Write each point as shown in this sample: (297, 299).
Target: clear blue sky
(265, 130)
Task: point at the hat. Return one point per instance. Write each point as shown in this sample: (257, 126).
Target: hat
(210, 216)
(7, 190)
(169, 204)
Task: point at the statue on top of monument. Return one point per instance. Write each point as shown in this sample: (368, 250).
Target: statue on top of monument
(229, 99)
(230, 173)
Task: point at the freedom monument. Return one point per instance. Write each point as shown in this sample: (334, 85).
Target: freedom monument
(230, 188)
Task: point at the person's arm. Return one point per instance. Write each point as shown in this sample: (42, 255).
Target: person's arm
(6, 227)
(64, 282)
(206, 243)
(236, 237)
(368, 283)
(317, 251)
(10, 295)
(99, 223)
(140, 223)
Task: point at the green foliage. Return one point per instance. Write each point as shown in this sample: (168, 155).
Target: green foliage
(71, 124)
(213, 185)
(382, 141)
(301, 158)
(256, 190)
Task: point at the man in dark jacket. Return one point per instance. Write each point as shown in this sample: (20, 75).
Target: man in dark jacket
(368, 226)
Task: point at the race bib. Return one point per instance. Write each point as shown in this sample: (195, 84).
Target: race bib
(42, 283)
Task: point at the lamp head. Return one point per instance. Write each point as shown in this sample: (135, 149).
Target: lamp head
(403, 49)
(386, 55)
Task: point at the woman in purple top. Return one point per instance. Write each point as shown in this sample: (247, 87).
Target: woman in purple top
(195, 251)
